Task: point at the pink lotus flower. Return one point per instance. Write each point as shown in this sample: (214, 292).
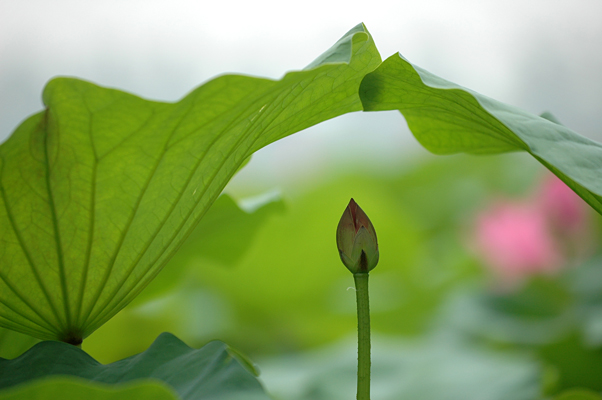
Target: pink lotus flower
(517, 239)
(514, 240)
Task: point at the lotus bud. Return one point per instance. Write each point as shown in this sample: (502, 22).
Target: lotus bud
(356, 240)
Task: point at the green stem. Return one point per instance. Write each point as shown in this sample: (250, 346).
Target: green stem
(363, 336)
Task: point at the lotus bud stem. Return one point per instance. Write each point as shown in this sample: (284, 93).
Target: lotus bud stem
(358, 249)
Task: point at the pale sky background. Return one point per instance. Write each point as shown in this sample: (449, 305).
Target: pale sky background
(541, 55)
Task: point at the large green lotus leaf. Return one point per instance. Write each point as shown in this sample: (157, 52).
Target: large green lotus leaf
(446, 118)
(100, 189)
(223, 236)
(78, 389)
(214, 371)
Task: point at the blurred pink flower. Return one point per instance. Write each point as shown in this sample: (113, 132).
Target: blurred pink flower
(517, 239)
(514, 240)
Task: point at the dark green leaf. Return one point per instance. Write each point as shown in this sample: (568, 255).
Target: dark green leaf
(212, 372)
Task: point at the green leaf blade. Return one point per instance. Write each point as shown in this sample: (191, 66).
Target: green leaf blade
(446, 118)
(99, 191)
(34, 308)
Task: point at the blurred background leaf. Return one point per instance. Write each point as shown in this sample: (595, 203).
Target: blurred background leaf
(578, 394)
(13, 344)
(438, 366)
(222, 237)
